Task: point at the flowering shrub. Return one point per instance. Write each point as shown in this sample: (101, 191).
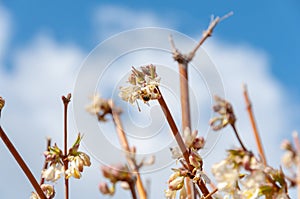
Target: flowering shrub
(240, 175)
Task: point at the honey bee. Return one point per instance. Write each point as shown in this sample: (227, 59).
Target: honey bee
(148, 93)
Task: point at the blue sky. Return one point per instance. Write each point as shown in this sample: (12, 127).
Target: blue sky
(43, 43)
(268, 25)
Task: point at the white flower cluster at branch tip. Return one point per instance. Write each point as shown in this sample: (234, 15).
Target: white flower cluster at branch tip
(75, 158)
(143, 85)
(101, 107)
(242, 176)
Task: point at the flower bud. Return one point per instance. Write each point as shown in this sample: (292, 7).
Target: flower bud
(195, 159)
(176, 181)
(104, 189)
(198, 143)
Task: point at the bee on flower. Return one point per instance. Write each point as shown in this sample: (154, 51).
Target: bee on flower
(143, 85)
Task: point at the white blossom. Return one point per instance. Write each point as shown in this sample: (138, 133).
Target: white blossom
(226, 175)
(53, 172)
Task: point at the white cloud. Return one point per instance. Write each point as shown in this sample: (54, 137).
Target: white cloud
(44, 69)
(110, 20)
(5, 30)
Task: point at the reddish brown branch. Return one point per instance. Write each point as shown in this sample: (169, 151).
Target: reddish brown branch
(22, 164)
(180, 142)
(254, 126)
(125, 145)
(183, 61)
(66, 100)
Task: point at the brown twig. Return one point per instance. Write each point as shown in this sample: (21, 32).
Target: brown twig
(132, 189)
(22, 164)
(183, 61)
(18, 157)
(180, 141)
(185, 103)
(254, 126)
(45, 166)
(66, 100)
(125, 145)
(238, 137)
(208, 33)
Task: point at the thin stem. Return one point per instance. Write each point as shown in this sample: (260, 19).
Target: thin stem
(125, 145)
(211, 193)
(254, 127)
(45, 166)
(22, 164)
(184, 96)
(174, 129)
(66, 101)
(180, 141)
(132, 190)
(238, 137)
(208, 33)
(183, 61)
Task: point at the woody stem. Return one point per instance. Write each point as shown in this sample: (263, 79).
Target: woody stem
(180, 141)
(125, 145)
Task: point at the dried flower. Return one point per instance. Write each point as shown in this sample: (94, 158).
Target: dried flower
(116, 173)
(225, 110)
(99, 106)
(143, 86)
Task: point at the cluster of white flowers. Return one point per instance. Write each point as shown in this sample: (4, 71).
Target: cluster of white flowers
(242, 176)
(75, 158)
(176, 180)
(144, 85)
(176, 183)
